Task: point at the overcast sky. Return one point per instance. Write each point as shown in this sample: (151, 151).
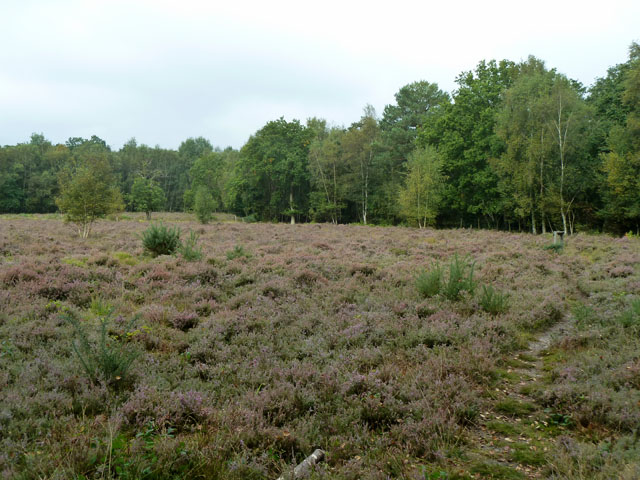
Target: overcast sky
(163, 71)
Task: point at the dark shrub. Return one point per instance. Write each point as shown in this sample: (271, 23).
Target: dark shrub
(158, 239)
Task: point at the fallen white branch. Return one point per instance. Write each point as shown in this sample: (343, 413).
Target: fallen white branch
(305, 467)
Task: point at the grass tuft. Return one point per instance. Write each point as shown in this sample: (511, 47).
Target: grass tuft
(492, 301)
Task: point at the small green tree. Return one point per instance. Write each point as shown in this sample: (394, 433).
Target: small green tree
(158, 239)
(421, 196)
(204, 204)
(109, 358)
(88, 191)
(147, 196)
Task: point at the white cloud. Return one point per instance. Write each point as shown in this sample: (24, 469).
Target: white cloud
(162, 71)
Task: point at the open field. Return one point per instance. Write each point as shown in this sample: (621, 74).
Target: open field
(286, 338)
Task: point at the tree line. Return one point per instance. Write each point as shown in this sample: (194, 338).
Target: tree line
(516, 146)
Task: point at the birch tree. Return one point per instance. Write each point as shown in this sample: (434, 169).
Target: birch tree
(568, 118)
(360, 148)
(421, 196)
(328, 176)
(88, 191)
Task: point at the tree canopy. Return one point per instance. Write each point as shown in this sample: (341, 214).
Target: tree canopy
(515, 145)
(88, 191)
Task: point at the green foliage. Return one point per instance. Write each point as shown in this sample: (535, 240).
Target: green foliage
(421, 196)
(493, 301)
(429, 282)
(328, 173)
(159, 239)
(194, 148)
(106, 359)
(434, 475)
(460, 278)
(631, 316)
(360, 145)
(495, 470)
(620, 189)
(100, 307)
(273, 170)
(621, 165)
(416, 103)
(189, 249)
(204, 204)
(514, 408)
(237, 252)
(584, 315)
(518, 145)
(166, 166)
(554, 247)
(464, 133)
(249, 219)
(546, 169)
(88, 192)
(146, 196)
(213, 172)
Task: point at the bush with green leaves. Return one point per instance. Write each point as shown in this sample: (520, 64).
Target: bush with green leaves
(460, 278)
(105, 359)
(189, 249)
(429, 282)
(159, 239)
(493, 301)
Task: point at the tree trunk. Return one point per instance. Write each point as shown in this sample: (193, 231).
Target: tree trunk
(84, 231)
(533, 222)
(562, 141)
(335, 196)
(293, 217)
(543, 223)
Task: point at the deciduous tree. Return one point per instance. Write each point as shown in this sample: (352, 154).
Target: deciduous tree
(421, 196)
(147, 196)
(274, 178)
(88, 191)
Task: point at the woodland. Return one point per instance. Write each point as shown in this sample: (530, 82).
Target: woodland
(517, 146)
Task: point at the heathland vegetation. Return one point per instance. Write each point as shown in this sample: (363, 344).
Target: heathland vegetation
(403, 353)
(517, 147)
(233, 346)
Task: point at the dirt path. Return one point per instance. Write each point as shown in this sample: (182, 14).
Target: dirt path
(515, 437)
(544, 341)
